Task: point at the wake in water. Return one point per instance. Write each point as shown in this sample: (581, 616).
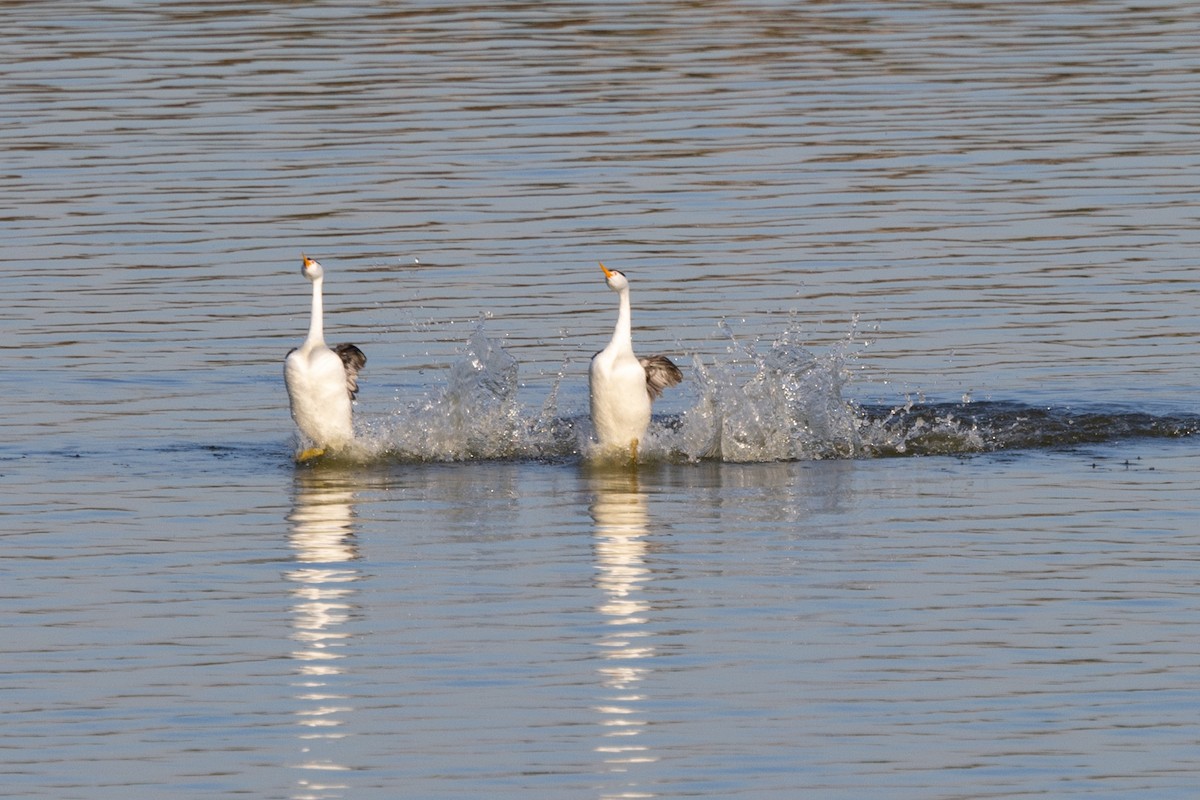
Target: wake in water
(778, 402)
(787, 403)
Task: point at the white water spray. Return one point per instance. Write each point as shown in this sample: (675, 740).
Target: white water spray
(778, 402)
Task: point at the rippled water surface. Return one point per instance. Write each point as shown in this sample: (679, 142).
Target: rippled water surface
(920, 522)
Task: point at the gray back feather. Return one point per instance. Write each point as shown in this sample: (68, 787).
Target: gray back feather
(353, 360)
(660, 373)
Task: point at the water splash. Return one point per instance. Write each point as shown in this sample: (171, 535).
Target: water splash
(775, 402)
(786, 403)
(782, 404)
(475, 417)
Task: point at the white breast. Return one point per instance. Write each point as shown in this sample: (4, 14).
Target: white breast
(316, 382)
(620, 400)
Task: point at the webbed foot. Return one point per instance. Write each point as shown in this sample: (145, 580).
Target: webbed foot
(309, 454)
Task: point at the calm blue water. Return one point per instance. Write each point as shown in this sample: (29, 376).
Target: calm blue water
(920, 522)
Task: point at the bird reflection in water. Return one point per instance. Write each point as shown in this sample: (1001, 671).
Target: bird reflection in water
(322, 540)
(619, 513)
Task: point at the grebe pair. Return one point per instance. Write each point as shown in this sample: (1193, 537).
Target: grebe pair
(321, 381)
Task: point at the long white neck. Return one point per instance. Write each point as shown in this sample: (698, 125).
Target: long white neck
(623, 333)
(316, 332)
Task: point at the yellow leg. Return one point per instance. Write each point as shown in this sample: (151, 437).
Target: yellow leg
(633, 447)
(310, 454)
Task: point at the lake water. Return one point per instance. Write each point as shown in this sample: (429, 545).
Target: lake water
(920, 523)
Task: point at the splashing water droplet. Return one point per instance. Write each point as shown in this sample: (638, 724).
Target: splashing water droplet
(476, 416)
(781, 402)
